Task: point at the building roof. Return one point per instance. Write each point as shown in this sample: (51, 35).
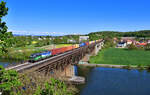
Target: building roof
(142, 44)
(121, 43)
(129, 40)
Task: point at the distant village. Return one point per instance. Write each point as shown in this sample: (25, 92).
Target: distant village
(126, 41)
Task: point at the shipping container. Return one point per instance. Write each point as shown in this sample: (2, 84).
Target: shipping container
(76, 45)
(82, 44)
(62, 50)
(87, 43)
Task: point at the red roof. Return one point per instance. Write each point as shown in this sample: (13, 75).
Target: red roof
(142, 44)
(129, 40)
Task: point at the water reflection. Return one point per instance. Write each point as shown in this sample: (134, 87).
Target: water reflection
(112, 81)
(6, 63)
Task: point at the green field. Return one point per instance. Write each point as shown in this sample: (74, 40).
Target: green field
(63, 45)
(121, 57)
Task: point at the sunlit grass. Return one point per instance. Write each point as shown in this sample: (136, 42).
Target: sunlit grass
(62, 45)
(121, 57)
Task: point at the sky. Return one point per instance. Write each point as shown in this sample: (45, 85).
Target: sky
(62, 17)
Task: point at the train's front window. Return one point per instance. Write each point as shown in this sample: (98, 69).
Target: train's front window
(32, 56)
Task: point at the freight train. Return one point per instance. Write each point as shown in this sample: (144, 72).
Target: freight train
(49, 53)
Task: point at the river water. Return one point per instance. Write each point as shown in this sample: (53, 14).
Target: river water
(6, 63)
(112, 81)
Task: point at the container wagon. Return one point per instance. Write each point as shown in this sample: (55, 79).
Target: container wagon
(39, 56)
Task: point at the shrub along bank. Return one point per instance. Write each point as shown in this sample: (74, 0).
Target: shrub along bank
(12, 83)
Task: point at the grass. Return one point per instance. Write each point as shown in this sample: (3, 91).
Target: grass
(21, 54)
(62, 45)
(122, 57)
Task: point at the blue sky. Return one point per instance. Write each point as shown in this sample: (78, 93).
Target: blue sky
(59, 17)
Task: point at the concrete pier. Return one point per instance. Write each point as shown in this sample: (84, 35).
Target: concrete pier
(77, 80)
(70, 77)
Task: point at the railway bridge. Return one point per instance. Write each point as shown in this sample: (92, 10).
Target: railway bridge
(63, 62)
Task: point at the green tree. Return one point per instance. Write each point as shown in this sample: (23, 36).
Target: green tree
(147, 47)
(4, 35)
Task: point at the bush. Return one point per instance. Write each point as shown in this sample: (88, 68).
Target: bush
(8, 81)
(127, 67)
(12, 83)
(39, 84)
(147, 47)
(140, 66)
(132, 47)
(148, 67)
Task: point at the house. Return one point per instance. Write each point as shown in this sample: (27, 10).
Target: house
(129, 42)
(115, 40)
(71, 41)
(148, 42)
(39, 38)
(83, 38)
(121, 44)
(135, 42)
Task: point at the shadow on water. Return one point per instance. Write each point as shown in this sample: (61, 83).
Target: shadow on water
(114, 81)
(83, 71)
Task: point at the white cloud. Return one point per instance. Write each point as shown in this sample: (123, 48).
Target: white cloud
(23, 32)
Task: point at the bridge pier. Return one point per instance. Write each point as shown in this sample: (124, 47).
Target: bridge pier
(68, 71)
(98, 47)
(70, 75)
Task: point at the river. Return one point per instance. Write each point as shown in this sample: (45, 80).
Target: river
(6, 63)
(114, 81)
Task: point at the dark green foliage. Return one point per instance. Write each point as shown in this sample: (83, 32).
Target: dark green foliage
(11, 83)
(104, 34)
(8, 81)
(132, 47)
(5, 37)
(140, 66)
(39, 84)
(109, 42)
(56, 87)
(147, 47)
(148, 67)
(127, 67)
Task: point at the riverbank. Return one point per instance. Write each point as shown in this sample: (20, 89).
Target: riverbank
(115, 66)
(116, 56)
